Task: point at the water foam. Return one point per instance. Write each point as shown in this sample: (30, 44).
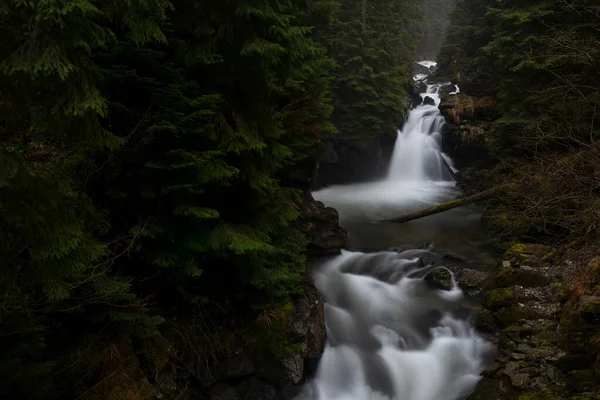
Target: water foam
(390, 336)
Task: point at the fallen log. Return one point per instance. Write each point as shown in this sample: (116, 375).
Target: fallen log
(486, 194)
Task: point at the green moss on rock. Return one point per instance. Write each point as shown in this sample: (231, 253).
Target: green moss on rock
(504, 297)
(512, 315)
(541, 395)
(528, 253)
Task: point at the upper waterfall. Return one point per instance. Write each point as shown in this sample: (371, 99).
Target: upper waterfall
(417, 153)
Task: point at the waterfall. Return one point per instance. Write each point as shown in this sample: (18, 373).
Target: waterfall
(390, 335)
(417, 153)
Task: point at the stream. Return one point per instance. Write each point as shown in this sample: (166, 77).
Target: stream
(390, 334)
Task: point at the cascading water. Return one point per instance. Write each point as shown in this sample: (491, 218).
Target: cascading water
(390, 335)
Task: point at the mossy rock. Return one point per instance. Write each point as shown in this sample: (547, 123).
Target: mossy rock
(513, 315)
(583, 380)
(586, 396)
(529, 254)
(509, 276)
(541, 395)
(504, 297)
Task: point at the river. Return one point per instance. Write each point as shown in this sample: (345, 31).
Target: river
(390, 334)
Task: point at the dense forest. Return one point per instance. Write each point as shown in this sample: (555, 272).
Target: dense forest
(537, 63)
(154, 165)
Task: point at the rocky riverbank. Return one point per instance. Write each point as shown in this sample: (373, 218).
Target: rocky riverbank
(542, 309)
(541, 304)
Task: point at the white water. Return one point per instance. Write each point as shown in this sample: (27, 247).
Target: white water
(427, 64)
(390, 335)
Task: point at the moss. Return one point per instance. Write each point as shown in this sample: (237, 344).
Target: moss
(528, 253)
(499, 298)
(512, 276)
(582, 380)
(512, 315)
(547, 335)
(541, 395)
(586, 396)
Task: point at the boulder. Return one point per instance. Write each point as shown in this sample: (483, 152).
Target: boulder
(428, 101)
(446, 90)
(421, 87)
(415, 100)
(321, 225)
(521, 254)
(306, 324)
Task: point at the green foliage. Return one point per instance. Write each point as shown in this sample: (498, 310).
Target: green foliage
(540, 61)
(144, 168)
(371, 43)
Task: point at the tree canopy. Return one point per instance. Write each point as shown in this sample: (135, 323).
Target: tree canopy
(144, 171)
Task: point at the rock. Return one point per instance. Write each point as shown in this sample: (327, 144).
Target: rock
(428, 258)
(521, 381)
(572, 362)
(525, 277)
(421, 69)
(504, 297)
(428, 101)
(527, 253)
(421, 87)
(415, 100)
(589, 307)
(473, 281)
(321, 225)
(440, 278)
(491, 371)
(484, 322)
(447, 89)
(305, 326)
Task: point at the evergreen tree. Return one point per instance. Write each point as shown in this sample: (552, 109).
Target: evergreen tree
(374, 51)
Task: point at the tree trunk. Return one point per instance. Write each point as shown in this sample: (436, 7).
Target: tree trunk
(446, 206)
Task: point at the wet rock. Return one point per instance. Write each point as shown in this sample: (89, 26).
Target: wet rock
(321, 225)
(428, 258)
(306, 327)
(491, 371)
(447, 90)
(428, 101)
(420, 87)
(416, 100)
(440, 279)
